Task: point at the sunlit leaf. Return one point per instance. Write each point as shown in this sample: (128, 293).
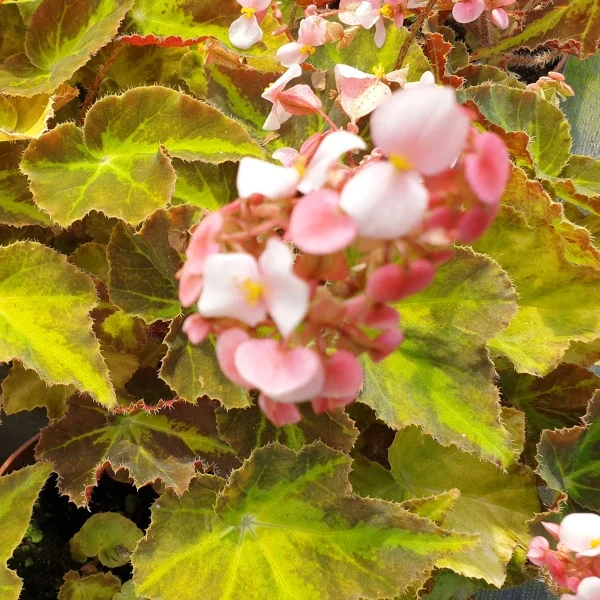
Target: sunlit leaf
(193, 371)
(45, 322)
(204, 185)
(116, 164)
(24, 118)
(127, 592)
(151, 444)
(245, 429)
(516, 110)
(284, 522)
(23, 389)
(16, 202)
(122, 332)
(91, 257)
(441, 377)
(61, 38)
(559, 302)
(18, 492)
(101, 586)
(494, 504)
(569, 459)
(109, 536)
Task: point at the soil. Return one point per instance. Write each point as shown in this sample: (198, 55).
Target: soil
(43, 558)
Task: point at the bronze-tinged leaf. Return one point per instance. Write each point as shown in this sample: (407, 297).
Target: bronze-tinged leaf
(285, 526)
(246, 429)
(24, 118)
(193, 371)
(569, 459)
(160, 443)
(438, 51)
(101, 586)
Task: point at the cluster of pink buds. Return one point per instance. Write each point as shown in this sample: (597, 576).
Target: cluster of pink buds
(467, 11)
(552, 87)
(297, 277)
(575, 564)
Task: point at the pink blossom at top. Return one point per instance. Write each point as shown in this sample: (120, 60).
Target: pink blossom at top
(361, 93)
(580, 532)
(311, 34)
(588, 589)
(467, 11)
(422, 132)
(238, 286)
(278, 114)
(275, 182)
(245, 31)
(373, 12)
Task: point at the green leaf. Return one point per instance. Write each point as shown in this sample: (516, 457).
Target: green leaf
(23, 389)
(450, 586)
(516, 110)
(559, 21)
(205, 185)
(109, 536)
(16, 202)
(12, 32)
(122, 332)
(559, 302)
(286, 523)
(116, 164)
(248, 428)
(151, 443)
(143, 265)
(193, 371)
(60, 39)
(494, 504)
(579, 183)
(569, 459)
(441, 377)
(18, 492)
(24, 118)
(91, 257)
(45, 322)
(102, 586)
(127, 592)
(558, 400)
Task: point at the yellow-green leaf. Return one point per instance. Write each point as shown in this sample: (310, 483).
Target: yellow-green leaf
(101, 586)
(24, 118)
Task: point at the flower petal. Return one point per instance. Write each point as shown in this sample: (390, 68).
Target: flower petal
(273, 90)
(488, 168)
(244, 32)
(312, 31)
(367, 14)
(283, 374)
(290, 55)
(360, 93)
(328, 153)
(380, 33)
(279, 413)
(276, 118)
(286, 296)
(196, 328)
(500, 18)
(286, 156)
(423, 125)
(190, 285)
(227, 344)
(466, 11)
(223, 292)
(260, 177)
(318, 226)
(384, 202)
(343, 375)
(578, 530)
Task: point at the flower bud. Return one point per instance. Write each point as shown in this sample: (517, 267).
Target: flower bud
(300, 100)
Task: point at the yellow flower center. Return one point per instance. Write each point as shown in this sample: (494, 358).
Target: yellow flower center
(387, 11)
(379, 71)
(308, 50)
(269, 86)
(248, 12)
(252, 291)
(595, 544)
(401, 162)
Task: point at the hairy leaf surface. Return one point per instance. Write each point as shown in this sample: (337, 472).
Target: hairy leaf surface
(101, 586)
(441, 377)
(286, 523)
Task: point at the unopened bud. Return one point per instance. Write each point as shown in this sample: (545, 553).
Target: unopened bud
(300, 100)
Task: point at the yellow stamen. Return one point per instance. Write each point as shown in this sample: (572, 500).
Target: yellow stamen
(248, 12)
(387, 11)
(379, 71)
(401, 162)
(308, 50)
(252, 291)
(300, 165)
(269, 87)
(595, 544)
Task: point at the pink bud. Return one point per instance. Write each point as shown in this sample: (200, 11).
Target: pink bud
(300, 100)
(499, 18)
(321, 405)
(279, 413)
(386, 284)
(475, 222)
(196, 328)
(419, 275)
(537, 550)
(227, 344)
(385, 344)
(311, 10)
(382, 316)
(553, 529)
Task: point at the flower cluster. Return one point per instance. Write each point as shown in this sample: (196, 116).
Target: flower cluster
(467, 11)
(297, 277)
(575, 564)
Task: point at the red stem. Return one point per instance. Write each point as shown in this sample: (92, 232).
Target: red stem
(8, 462)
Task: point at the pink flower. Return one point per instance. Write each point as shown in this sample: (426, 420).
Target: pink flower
(538, 548)
(281, 373)
(318, 226)
(276, 182)
(499, 18)
(580, 532)
(372, 12)
(467, 11)
(588, 589)
(278, 114)
(426, 79)
(311, 34)
(196, 328)
(361, 93)
(202, 245)
(421, 131)
(300, 100)
(245, 31)
(343, 381)
(279, 413)
(238, 286)
(488, 168)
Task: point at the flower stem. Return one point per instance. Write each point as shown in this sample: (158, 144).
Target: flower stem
(413, 34)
